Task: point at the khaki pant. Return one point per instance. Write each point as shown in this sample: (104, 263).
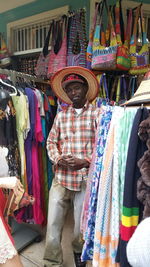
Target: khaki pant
(59, 202)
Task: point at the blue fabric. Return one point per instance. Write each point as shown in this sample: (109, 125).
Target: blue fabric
(87, 252)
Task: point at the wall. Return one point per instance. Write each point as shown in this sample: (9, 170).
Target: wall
(44, 5)
(37, 7)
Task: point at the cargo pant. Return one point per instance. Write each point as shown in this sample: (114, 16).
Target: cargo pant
(59, 203)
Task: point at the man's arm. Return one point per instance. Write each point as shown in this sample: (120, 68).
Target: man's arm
(53, 142)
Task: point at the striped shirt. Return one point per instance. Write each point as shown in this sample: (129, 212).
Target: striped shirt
(72, 134)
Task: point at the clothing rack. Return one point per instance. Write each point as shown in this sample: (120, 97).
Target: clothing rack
(16, 74)
(22, 233)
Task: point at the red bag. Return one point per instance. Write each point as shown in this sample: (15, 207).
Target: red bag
(43, 60)
(58, 60)
(123, 56)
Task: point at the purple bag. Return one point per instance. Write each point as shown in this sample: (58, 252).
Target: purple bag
(74, 59)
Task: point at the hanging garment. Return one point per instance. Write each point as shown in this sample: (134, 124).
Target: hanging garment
(87, 253)
(108, 205)
(22, 124)
(36, 184)
(8, 137)
(131, 205)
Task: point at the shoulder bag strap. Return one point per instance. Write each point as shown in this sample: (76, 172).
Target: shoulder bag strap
(128, 27)
(135, 24)
(143, 31)
(47, 40)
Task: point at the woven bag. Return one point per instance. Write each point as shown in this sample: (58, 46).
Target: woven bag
(59, 60)
(104, 56)
(43, 60)
(76, 46)
(123, 57)
(139, 60)
(91, 36)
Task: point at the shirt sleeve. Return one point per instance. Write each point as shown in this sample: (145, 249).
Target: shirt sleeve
(53, 141)
(97, 116)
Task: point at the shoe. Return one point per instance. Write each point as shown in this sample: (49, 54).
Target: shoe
(77, 259)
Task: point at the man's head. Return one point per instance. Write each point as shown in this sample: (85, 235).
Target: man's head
(75, 76)
(76, 88)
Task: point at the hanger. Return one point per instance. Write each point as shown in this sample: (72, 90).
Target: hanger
(9, 85)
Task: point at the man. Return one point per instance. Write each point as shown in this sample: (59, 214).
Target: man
(70, 144)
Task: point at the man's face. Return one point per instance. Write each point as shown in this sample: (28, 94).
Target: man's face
(76, 91)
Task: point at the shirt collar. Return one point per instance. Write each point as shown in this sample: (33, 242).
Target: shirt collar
(84, 107)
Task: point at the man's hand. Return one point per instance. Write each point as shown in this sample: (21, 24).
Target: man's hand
(73, 163)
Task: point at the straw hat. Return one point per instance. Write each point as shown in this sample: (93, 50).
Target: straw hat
(58, 78)
(142, 95)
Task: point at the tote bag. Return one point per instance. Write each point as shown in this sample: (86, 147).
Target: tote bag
(123, 56)
(90, 43)
(59, 60)
(43, 60)
(103, 56)
(76, 57)
(139, 60)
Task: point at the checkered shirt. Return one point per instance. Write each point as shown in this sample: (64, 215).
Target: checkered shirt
(73, 134)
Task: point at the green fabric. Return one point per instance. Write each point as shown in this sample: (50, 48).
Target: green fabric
(130, 211)
(123, 131)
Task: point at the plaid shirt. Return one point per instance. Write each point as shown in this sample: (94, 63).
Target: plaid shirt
(72, 134)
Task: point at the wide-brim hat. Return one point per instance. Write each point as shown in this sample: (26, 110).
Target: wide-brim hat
(142, 94)
(58, 77)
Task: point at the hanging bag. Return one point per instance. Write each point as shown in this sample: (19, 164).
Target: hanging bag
(76, 47)
(58, 59)
(104, 56)
(139, 60)
(90, 43)
(42, 63)
(123, 57)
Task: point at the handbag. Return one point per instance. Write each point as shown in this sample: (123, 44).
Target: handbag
(90, 43)
(123, 57)
(58, 59)
(43, 60)
(104, 54)
(76, 46)
(16, 202)
(139, 60)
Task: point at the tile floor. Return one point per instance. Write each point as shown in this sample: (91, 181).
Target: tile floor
(32, 256)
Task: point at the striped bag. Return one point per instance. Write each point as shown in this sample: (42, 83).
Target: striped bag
(59, 60)
(139, 60)
(76, 46)
(91, 36)
(104, 56)
(123, 57)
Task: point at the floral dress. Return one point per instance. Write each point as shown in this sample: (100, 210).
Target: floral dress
(87, 252)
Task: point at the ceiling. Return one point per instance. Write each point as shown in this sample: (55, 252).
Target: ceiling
(7, 5)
